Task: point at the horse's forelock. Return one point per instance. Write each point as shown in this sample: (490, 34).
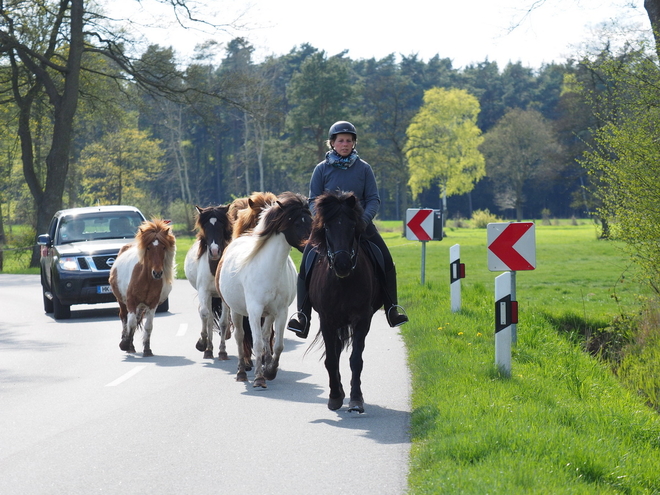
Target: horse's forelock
(327, 206)
(275, 217)
(223, 225)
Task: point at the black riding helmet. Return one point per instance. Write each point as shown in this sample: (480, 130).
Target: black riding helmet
(341, 127)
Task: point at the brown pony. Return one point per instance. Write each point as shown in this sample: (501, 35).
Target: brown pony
(141, 279)
(247, 211)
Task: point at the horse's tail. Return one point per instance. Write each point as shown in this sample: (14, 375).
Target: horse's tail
(216, 309)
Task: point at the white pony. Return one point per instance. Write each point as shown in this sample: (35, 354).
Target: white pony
(214, 231)
(257, 279)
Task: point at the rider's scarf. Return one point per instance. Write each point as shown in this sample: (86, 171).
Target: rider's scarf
(342, 162)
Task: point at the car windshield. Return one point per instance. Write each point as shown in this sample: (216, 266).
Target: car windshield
(98, 225)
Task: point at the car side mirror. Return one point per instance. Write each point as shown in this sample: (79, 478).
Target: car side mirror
(44, 240)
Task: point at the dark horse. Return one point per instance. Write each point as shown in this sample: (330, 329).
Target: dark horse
(343, 289)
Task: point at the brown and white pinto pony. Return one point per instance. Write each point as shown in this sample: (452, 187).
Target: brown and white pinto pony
(141, 279)
(214, 229)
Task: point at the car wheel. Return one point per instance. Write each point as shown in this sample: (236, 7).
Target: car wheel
(163, 307)
(48, 304)
(60, 311)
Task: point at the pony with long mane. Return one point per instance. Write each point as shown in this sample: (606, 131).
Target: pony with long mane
(257, 279)
(343, 289)
(246, 213)
(214, 229)
(141, 279)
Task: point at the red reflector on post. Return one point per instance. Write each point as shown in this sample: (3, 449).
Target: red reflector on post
(514, 311)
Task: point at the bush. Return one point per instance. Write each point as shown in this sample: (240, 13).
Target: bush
(481, 218)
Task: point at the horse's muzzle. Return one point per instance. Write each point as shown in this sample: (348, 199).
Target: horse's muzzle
(157, 275)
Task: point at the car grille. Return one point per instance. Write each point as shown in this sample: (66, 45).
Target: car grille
(101, 262)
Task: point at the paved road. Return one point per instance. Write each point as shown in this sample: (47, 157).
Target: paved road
(77, 415)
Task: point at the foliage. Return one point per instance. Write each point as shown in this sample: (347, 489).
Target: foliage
(118, 168)
(521, 147)
(481, 218)
(626, 159)
(443, 141)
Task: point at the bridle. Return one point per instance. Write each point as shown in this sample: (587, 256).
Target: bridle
(353, 254)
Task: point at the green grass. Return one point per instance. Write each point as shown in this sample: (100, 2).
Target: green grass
(562, 423)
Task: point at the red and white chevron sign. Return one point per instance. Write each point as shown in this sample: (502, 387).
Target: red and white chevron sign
(511, 246)
(419, 224)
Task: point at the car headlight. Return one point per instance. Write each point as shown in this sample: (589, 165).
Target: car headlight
(69, 264)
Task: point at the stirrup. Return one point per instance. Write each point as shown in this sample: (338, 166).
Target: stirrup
(300, 332)
(402, 314)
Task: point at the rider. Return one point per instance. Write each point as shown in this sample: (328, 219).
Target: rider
(344, 170)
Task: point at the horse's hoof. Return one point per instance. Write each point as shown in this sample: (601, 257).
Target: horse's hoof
(201, 345)
(335, 403)
(270, 373)
(260, 382)
(222, 356)
(147, 353)
(356, 406)
(208, 354)
(241, 376)
(125, 345)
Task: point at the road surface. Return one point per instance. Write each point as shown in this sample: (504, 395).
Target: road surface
(78, 415)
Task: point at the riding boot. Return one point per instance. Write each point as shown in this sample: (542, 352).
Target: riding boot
(394, 318)
(300, 321)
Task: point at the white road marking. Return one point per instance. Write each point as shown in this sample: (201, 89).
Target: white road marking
(183, 328)
(126, 376)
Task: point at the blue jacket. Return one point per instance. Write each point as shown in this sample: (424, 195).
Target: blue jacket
(358, 178)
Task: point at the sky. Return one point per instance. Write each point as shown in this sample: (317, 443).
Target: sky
(467, 32)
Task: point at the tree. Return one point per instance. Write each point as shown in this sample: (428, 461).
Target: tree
(443, 142)
(390, 100)
(520, 148)
(320, 93)
(44, 43)
(119, 168)
(624, 161)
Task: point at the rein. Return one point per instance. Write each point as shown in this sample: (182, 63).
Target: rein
(353, 255)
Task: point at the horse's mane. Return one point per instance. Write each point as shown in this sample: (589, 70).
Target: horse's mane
(221, 213)
(330, 204)
(237, 205)
(156, 229)
(275, 218)
(247, 218)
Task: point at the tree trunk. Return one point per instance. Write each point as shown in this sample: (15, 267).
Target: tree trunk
(653, 10)
(65, 105)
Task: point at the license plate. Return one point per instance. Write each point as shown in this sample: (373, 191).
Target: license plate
(103, 289)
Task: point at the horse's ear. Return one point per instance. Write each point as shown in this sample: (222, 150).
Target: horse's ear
(350, 201)
(199, 210)
(278, 202)
(251, 204)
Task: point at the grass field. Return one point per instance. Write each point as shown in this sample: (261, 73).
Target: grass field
(562, 423)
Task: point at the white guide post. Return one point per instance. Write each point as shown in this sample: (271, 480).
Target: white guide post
(456, 273)
(506, 314)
